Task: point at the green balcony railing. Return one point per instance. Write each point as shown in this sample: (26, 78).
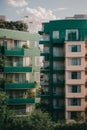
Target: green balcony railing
(41, 32)
(59, 71)
(45, 96)
(59, 83)
(19, 85)
(57, 107)
(44, 42)
(17, 69)
(58, 58)
(58, 41)
(20, 52)
(19, 101)
(44, 54)
(44, 70)
(58, 95)
(15, 52)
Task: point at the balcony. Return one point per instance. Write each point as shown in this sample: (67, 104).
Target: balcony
(16, 69)
(44, 82)
(58, 79)
(58, 41)
(45, 69)
(59, 107)
(58, 95)
(58, 58)
(46, 54)
(59, 83)
(19, 101)
(15, 52)
(19, 52)
(45, 96)
(9, 86)
(44, 42)
(41, 32)
(59, 71)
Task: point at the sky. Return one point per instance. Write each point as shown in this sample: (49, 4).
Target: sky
(34, 12)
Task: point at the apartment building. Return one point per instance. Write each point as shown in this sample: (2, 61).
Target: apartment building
(20, 69)
(64, 71)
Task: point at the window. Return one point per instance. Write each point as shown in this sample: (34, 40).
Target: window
(74, 75)
(73, 114)
(36, 44)
(16, 44)
(37, 61)
(74, 102)
(74, 48)
(72, 34)
(55, 34)
(74, 89)
(37, 77)
(74, 61)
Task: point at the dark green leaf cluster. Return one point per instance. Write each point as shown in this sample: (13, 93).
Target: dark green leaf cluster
(14, 25)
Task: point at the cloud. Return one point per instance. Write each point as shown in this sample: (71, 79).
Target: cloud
(17, 3)
(34, 17)
(59, 9)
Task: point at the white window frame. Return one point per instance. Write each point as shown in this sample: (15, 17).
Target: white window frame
(70, 31)
(70, 89)
(74, 61)
(70, 48)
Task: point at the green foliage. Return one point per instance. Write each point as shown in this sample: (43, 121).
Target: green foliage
(30, 93)
(36, 120)
(6, 115)
(2, 62)
(16, 25)
(40, 121)
(25, 46)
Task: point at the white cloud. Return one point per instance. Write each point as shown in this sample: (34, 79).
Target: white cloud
(17, 3)
(60, 9)
(34, 17)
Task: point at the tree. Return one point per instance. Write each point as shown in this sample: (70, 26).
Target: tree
(40, 121)
(14, 25)
(6, 115)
